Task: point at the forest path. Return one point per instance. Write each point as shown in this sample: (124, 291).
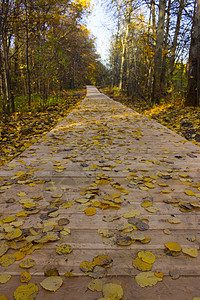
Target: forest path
(117, 159)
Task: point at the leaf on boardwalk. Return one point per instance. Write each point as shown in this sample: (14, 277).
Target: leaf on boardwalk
(110, 218)
(152, 209)
(25, 276)
(140, 265)
(96, 285)
(87, 266)
(147, 279)
(173, 247)
(27, 264)
(13, 234)
(193, 252)
(8, 219)
(52, 283)
(112, 291)
(174, 220)
(4, 278)
(3, 249)
(97, 272)
(90, 211)
(189, 193)
(147, 256)
(131, 214)
(51, 272)
(7, 260)
(64, 249)
(26, 292)
(102, 260)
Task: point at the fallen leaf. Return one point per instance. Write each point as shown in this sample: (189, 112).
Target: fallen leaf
(25, 276)
(174, 220)
(3, 249)
(4, 277)
(90, 211)
(131, 214)
(16, 233)
(87, 266)
(189, 193)
(147, 256)
(147, 279)
(28, 263)
(97, 272)
(26, 292)
(112, 291)
(173, 246)
(52, 283)
(7, 260)
(140, 265)
(51, 272)
(96, 285)
(193, 252)
(64, 249)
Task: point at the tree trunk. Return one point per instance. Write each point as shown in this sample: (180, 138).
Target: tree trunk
(175, 39)
(124, 45)
(193, 89)
(164, 61)
(27, 57)
(156, 94)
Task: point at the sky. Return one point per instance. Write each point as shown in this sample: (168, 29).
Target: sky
(101, 27)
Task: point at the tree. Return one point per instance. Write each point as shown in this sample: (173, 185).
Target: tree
(193, 89)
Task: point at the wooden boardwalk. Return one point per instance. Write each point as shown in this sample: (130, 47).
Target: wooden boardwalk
(107, 157)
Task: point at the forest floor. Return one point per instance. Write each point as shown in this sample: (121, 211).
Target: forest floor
(170, 113)
(21, 129)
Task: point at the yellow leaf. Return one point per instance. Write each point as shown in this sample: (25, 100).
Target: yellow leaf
(146, 203)
(173, 246)
(8, 219)
(19, 255)
(102, 260)
(152, 209)
(21, 194)
(150, 185)
(96, 285)
(139, 264)
(90, 211)
(7, 260)
(28, 263)
(64, 249)
(147, 256)
(25, 276)
(131, 214)
(3, 297)
(189, 193)
(165, 191)
(22, 214)
(147, 279)
(13, 234)
(112, 291)
(26, 291)
(52, 283)
(173, 220)
(87, 266)
(3, 249)
(193, 252)
(19, 173)
(4, 278)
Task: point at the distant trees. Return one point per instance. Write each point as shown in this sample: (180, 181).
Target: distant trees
(150, 49)
(44, 49)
